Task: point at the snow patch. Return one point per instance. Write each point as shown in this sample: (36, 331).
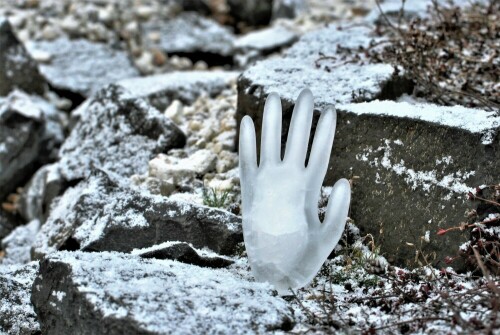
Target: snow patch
(425, 180)
(475, 121)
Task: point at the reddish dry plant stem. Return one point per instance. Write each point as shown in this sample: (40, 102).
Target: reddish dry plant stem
(444, 231)
(472, 196)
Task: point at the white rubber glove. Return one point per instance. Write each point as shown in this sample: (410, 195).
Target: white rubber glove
(284, 238)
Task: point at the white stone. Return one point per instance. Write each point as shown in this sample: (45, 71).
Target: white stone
(174, 111)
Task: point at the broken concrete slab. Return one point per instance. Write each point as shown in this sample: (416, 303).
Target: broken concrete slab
(113, 293)
(161, 90)
(322, 62)
(29, 137)
(17, 245)
(82, 67)
(256, 44)
(193, 36)
(8, 222)
(415, 163)
(104, 213)
(117, 132)
(36, 198)
(17, 69)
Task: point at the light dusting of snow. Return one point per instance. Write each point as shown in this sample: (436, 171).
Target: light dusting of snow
(83, 66)
(59, 295)
(290, 74)
(164, 294)
(469, 119)
(265, 39)
(16, 309)
(17, 244)
(425, 180)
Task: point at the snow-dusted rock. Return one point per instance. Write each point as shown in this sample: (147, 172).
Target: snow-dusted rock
(288, 8)
(332, 81)
(162, 89)
(412, 8)
(113, 293)
(7, 223)
(262, 42)
(416, 163)
(266, 40)
(29, 136)
(45, 185)
(82, 67)
(104, 213)
(117, 132)
(17, 68)
(16, 311)
(185, 253)
(17, 245)
(192, 36)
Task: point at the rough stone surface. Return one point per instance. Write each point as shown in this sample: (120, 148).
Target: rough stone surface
(288, 8)
(16, 311)
(82, 67)
(193, 36)
(36, 199)
(17, 244)
(7, 223)
(255, 13)
(262, 42)
(117, 132)
(266, 40)
(185, 253)
(331, 80)
(22, 133)
(17, 69)
(112, 293)
(416, 164)
(104, 214)
(161, 90)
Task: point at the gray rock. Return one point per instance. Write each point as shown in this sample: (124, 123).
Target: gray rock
(160, 90)
(82, 67)
(310, 63)
(16, 311)
(185, 253)
(254, 13)
(288, 9)
(412, 8)
(104, 214)
(7, 223)
(193, 36)
(17, 245)
(22, 134)
(262, 42)
(46, 184)
(416, 164)
(17, 69)
(112, 293)
(117, 132)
